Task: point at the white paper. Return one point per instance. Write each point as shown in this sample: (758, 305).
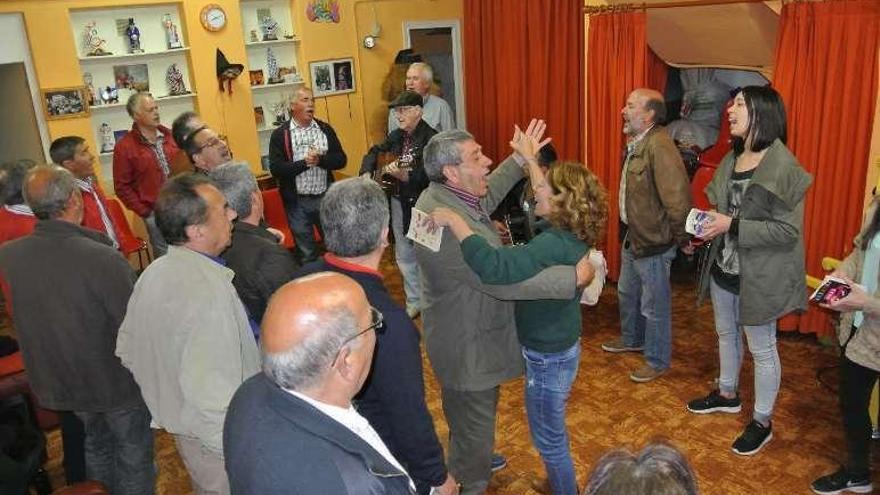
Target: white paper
(422, 230)
(591, 293)
(696, 221)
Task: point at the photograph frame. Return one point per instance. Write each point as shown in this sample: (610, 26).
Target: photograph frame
(332, 77)
(55, 111)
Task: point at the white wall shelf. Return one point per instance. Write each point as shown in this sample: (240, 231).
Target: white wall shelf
(257, 44)
(159, 99)
(133, 56)
(260, 87)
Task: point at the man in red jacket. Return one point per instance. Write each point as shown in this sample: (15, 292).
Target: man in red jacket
(72, 153)
(141, 163)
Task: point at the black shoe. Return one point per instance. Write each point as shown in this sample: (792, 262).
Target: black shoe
(715, 402)
(841, 482)
(753, 438)
(499, 462)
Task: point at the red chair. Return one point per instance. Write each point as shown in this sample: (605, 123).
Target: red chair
(276, 216)
(712, 156)
(128, 242)
(702, 178)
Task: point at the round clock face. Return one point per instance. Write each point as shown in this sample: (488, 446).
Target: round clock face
(213, 17)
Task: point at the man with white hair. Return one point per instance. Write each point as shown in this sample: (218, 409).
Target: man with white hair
(435, 110)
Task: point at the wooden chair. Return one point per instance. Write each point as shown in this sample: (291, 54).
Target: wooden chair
(128, 242)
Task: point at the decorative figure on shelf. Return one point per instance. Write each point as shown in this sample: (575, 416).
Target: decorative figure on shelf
(254, 37)
(270, 27)
(174, 79)
(280, 111)
(88, 80)
(110, 95)
(272, 67)
(93, 44)
(227, 72)
(323, 11)
(107, 141)
(134, 37)
(171, 35)
(287, 35)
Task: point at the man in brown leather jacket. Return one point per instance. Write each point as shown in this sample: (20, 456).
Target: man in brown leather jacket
(654, 200)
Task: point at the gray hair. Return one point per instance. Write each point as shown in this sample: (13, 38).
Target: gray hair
(659, 469)
(236, 181)
(426, 70)
(442, 150)
(304, 365)
(353, 213)
(134, 101)
(12, 176)
(52, 199)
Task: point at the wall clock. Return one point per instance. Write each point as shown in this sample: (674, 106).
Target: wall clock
(213, 17)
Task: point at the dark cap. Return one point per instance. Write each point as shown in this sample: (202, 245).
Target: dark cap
(407, 56)
(407, 99)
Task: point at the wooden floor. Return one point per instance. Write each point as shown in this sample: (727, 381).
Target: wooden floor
(607, 410)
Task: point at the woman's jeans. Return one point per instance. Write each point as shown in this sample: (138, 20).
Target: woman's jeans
(762, 344)
(548, 383)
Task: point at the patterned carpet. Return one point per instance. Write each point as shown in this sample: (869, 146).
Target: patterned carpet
(608, 410)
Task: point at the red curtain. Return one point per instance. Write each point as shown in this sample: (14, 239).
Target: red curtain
(657, 72)
(826, 72)
(524, 59)
(617, 63)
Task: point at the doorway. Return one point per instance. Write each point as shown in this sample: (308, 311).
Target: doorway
(19, 137)
(439, 44)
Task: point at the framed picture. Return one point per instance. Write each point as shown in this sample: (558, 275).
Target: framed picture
(65, 103)
(256, 77)
(332, 77)
(135, 77)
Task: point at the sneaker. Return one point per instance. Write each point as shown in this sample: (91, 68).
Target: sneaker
(499, 462)
(619, 346)
(715, 402)
(753, 438)
(841, 482)
(645, 374)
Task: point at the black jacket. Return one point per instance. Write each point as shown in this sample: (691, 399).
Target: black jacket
(277, 443)
(261, 266)
(69, 291)
(409, 191)
(285, 170)
(393, 397)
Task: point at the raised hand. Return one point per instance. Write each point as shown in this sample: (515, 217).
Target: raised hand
(529, 142)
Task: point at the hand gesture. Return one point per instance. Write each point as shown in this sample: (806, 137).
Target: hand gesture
(856, 300)
(444, 217)
(716, 225)
(277, 233)
(312, 157)
(529, 142)
(449, 487)
(585, 270)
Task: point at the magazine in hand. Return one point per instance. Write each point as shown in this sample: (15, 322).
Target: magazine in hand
(831, 289)
(696, 222)
(424, 231)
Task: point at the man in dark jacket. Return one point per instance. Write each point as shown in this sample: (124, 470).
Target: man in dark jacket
(654, 201)
(406, 179)
(354, 213)
(292, 428)
(303, 152)
(68, 345)
(261, 265)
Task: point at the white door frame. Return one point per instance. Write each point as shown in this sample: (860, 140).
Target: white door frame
(13, 37)
(457, 61)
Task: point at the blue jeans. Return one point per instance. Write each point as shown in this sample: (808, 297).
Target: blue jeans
(405, 254)
(548, 383)
(762, 345)
(303, 217)
(645, 300)
(119, 449)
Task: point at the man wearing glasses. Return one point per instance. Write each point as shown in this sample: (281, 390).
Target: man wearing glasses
(293, 428)
(405, 179)
(206, 149)
(354, 213)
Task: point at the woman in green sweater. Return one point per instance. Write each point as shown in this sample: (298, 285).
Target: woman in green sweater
(573, 204)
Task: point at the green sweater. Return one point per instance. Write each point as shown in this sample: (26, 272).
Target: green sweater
(549, 325)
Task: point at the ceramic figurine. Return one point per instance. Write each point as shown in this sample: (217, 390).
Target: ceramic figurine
(171, 35)
(272, 67)
(107, 141)
(254, 36)
(93, 93)
(110, 95)
(134, 37)
(174, 79)
(93, 44)
(270, 28)
(280, 111)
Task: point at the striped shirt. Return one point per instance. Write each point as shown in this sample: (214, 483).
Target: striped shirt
(303, 139)
(86, 187)
(20, 209)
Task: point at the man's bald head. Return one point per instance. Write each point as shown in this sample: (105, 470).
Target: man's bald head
(307, 322)
(643, 108)
(51, 193)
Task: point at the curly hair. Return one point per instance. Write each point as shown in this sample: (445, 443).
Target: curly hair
(580, 200)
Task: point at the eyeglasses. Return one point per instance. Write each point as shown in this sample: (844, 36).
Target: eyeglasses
(378, 325)
(210, 144)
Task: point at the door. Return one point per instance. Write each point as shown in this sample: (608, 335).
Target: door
(439, 44)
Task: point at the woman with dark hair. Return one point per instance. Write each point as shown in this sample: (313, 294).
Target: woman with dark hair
(659, 469)
(573, 202)
(858, 331)
(755, 267)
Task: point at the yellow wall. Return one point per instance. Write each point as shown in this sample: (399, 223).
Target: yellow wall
(53, 50)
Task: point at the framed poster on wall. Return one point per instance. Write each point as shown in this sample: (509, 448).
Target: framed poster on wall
(65, 103)
(332, 77)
